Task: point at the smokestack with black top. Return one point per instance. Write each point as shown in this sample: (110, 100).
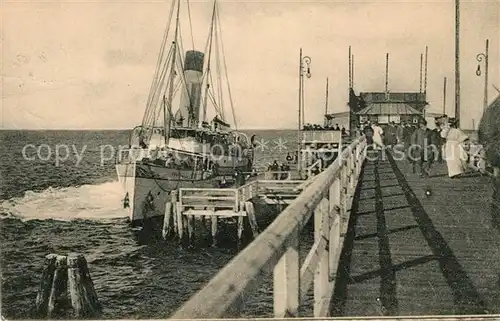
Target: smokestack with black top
(189, 109)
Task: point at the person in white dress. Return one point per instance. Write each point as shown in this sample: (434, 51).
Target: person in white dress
(377, 136)
(454, 149)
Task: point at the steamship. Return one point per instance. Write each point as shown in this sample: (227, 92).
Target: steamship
(179, 149)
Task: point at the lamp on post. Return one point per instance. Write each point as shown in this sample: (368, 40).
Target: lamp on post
(304, 66)
(480, 58)
(306, 62)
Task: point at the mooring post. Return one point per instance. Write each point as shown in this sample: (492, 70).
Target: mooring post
(42, 298)
(66, 285)
(81, 288)
(58, 296)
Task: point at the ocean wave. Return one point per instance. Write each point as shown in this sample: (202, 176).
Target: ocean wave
(89, 202)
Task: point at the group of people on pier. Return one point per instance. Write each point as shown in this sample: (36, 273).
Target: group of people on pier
(328, 127)
(279, 171)
(421, 145)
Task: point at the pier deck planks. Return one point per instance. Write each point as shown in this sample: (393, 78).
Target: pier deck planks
(411, 254)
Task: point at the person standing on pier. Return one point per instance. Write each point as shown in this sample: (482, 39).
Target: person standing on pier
(456, 156)
(377, 136)
(422, 152)
(399, 133)
(407, 131)
(439, 140)
(368, 131)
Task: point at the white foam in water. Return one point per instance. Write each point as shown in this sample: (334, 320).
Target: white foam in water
(94, 202)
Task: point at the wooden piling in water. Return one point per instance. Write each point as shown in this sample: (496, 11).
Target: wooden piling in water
(167, 221)
(190, 226)
(62, 276)
(83, 296)
(58, 294)
(249, 209)
(42, 298)
(214, 230)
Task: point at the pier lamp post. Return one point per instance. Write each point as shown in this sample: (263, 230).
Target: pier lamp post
(304, 67)
(480, 58)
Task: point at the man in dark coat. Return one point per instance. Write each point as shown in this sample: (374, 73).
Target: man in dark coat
(368, 132)
(438, 139)
(423, 150)
(489, 137)
(407, 131)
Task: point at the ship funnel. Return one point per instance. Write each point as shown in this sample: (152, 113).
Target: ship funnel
(189, 109)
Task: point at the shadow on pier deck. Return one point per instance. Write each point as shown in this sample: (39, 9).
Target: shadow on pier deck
(408, 253)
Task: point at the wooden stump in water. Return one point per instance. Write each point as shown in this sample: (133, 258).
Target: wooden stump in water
(42, 298)
(83, 296)
(58, 299)
(63, 275)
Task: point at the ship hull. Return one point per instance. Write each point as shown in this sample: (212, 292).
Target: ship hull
(147, 188)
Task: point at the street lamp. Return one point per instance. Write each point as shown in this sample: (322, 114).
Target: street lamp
(304, 67)
(480, 58)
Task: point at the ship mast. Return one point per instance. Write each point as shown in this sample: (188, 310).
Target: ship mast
(326, 103)
(167, 113)
(204, 119)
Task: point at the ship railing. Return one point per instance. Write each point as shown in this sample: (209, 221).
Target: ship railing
(275, 250)
(215, 198)
(321, 136)
(278, 175)
(316, 165)
(248, 191)
(131, 155)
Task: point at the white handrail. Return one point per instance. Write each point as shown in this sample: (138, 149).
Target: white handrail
(275, 249)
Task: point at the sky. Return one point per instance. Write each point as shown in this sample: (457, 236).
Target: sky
(89, 65)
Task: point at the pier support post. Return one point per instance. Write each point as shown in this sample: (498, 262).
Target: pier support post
(241, 208)
(62, 276)
(167, 220)
(190, 225)
(321, 278)
(214, 230)
(249, 208)
(286, 281)
(180, 221)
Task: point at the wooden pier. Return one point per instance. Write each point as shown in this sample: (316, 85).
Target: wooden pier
(387, 243)
(278, 188)
(214, 204)
(327, 198)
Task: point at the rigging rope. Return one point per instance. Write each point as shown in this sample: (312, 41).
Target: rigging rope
(217, 62)
(149, 115)
(226, 74)
(190, 23)
(160, 55)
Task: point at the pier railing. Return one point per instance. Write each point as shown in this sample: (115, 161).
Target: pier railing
(275, 250)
